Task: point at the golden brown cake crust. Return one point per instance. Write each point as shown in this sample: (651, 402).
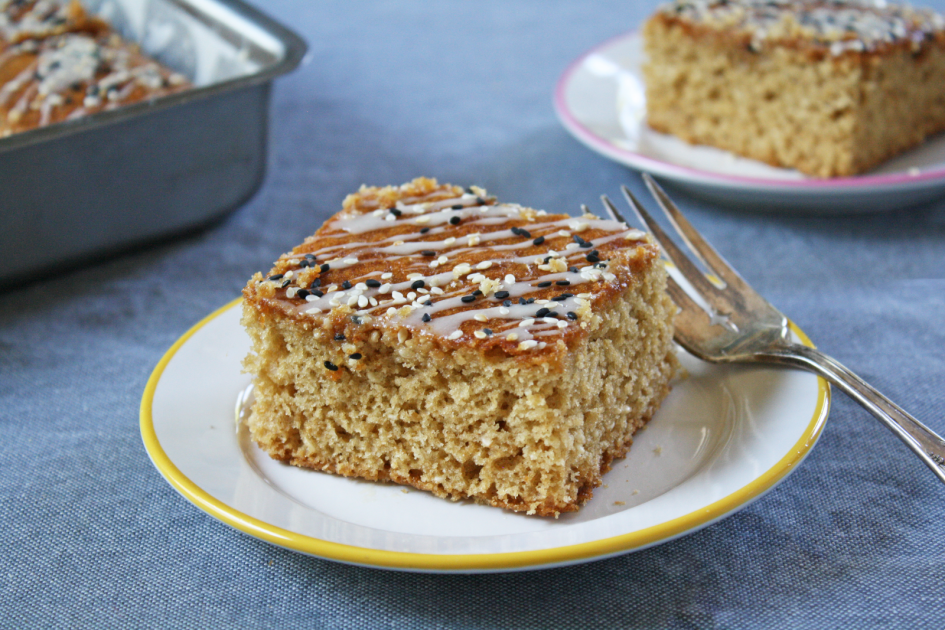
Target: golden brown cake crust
(394, 390)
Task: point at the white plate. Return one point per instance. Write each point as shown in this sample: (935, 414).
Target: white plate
(722, 438)
(600, 100)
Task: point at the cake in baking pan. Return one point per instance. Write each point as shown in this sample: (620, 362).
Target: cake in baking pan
(830, 88)
(434, 337)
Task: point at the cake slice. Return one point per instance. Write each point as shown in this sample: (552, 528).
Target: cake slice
(436, 338)
(830, 88)
(38, 19)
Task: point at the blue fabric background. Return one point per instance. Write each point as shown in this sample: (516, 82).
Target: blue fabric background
(94, 537)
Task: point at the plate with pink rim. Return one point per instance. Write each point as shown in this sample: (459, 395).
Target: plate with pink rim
(600, 100)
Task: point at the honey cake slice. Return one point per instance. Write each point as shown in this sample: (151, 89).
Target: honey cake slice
(38, 19)
(431, 336)
(828, 88)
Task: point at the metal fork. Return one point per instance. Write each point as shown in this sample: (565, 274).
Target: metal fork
(740, 326)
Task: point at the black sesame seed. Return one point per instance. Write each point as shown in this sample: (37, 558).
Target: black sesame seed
(428, 252)
(458, 206)
(587, 244)
(318, 293)
(542, 312)
(373, 283)
(563, 283)
(301, 293)
(339, 337)
(530, 301)
(573, 269)
(546, 260)
(566, 295)
(477, 292)
(594, 258)
(480, 201)
(488, 331)
(522, 301)
(356, 319)
(455, 220)
(539, 240)
(356, 356)
(521, 232)
(577, 239)
(331, 366)
(571, 315)
(417, 284)
(395, 212)
(346, 284)
(468, 298)
(286, 282)
(426, 317)
(501, 295)
(275, 277)
(317, 282)
(424, 230)
(304, 263)
(507, 303)
(558, 298)
(469, 191)
(310, 256)
(542, 285)
(324, 268)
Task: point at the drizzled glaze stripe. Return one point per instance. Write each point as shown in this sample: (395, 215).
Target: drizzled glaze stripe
(480, 279)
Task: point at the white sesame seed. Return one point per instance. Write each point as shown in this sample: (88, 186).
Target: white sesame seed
(562, 324)
(352, 300)
(390, 217)
(398, 296)
(479, 317)
(456, 334)
(484, 265)
(362, 301)
(288, 274)
(414, 276)
(571, 246)
(385, 288)
(351, 261)
(450, 240)
(378, 213)
(442, 260)
(360, 287)
(634, 235)
(510, 279)
(391, 310)
(422, 290)
(527, 345)
(310, 298)
(331, 288)
(411, 296)
(479, 334)
(503, 310)
(476, 277)
(373, 301)
(387, 276)
(579, 226)
(434, 264)
(472, 239)
(436, 290)
(423, 298)
(564, 233)
(542, 302)
(549, 320)
(512, 337)
(526, 322)
(422, 219)
(313, 310)
(291, 291)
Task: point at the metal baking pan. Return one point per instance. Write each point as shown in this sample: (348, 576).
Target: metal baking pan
(100, 184)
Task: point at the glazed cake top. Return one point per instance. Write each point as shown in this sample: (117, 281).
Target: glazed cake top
(22, 19)
(836, 26)
(75, 74)
(458, 266)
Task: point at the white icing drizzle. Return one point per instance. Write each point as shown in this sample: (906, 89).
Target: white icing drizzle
(449, 286)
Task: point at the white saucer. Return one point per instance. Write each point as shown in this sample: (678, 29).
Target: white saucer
(723, 438)
(600, 100)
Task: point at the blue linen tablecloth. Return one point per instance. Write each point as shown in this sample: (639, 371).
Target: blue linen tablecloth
(94, 537)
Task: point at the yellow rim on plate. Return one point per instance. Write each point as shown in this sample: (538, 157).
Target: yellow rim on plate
(465, 562)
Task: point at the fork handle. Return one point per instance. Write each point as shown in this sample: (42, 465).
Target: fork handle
(929, 446)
